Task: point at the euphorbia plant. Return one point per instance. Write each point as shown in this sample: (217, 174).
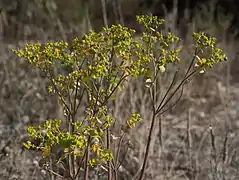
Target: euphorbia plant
(93, 69)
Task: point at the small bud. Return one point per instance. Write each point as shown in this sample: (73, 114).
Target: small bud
(197, 57)
(210, 127)
(148, 83)
(98, 120)
(202, 71)
(152, 29)
(196, 65)
(95, 140)
(114, 137)
(65, 112)
(162, 69)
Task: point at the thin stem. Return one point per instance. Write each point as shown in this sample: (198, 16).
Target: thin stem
(187, 75)
(123, 157)
(167, 92)
(80, 99)
(86, 168)
(80, 163)
(54, 173)
(114, 89)
(117, 156)
(192, 62)
(175, 91)
(175, 103)
(161, 141)
(148, 146)
(75, 100)
(160, 133)
(108, 147)
(60, 96)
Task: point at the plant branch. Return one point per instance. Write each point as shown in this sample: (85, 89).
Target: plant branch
(175, 91)
(148, 146)
(60, 96)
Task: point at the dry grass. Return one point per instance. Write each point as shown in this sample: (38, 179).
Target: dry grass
(196, 140)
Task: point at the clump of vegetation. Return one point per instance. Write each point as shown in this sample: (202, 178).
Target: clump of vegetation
(93, 69)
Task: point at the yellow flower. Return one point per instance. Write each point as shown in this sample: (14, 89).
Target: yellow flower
(56, 52)
(95, 147)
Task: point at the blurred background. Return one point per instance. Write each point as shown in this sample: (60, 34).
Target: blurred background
(197, 139)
